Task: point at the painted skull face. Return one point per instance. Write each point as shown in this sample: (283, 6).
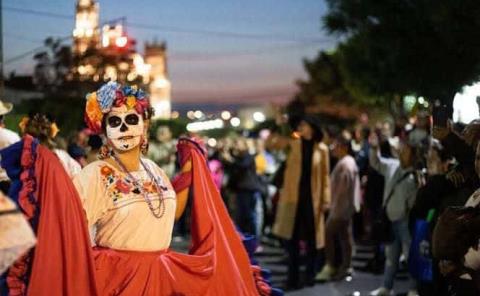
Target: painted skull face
(124, 128)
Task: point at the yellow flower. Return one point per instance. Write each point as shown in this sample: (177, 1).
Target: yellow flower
(92, 96)
(54, 130)
(93, 108)
(131, 101)
(23, 124)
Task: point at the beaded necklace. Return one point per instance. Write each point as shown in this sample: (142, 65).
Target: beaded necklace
(159, 211)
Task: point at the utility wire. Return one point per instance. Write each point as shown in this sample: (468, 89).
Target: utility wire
(268, 37)
(39, 13)
(300, 42)
(175, 29)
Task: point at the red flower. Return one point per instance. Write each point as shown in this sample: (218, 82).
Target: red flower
(141, 106)
(120, 99)
(122, 187)
(95, 126)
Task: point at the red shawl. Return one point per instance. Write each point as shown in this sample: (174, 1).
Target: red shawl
(61, 263)
(213, 231)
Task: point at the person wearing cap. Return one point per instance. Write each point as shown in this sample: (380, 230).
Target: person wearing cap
(304, 198)
(7, 138)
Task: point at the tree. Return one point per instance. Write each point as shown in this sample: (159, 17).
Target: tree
(52, 65)
(324, 79)
(392, 48)
(325, 91)
(326, 83)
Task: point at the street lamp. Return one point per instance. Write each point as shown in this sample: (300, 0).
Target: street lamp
(235, 122)
(226, 115)
(259, 117)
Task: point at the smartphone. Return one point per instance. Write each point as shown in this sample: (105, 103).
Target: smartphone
(440, 116)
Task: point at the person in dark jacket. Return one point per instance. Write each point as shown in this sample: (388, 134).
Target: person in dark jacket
(437, 194)
(246, 186)
(455, 237)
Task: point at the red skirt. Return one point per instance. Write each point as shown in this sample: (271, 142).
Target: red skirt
(129, 273)
(217, 263)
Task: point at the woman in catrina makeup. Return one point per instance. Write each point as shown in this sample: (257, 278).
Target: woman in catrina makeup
(129, 208)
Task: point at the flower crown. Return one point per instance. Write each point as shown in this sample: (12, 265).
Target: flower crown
(110, 95)
(37, 118)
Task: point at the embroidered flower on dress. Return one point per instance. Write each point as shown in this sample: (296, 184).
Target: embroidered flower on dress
(123, 187)
(106, 170)
(120, 187)
(149, 187)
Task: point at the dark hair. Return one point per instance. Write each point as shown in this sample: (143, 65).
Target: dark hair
(343, 139)
(365, 132)
(416, 153)
(315, 125)
(40, 126)
(95, 142)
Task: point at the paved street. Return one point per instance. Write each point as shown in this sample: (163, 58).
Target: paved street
(360, 284)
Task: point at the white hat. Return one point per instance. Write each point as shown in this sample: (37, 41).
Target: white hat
(5, 107)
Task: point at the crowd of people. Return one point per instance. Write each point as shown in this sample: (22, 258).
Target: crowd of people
(318, 189)
(408, 188)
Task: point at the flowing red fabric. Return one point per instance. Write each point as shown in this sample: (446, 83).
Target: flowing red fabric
(216, 265)
(61, 263)
(211, 221)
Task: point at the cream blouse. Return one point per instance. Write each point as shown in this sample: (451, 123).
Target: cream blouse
(117, 211)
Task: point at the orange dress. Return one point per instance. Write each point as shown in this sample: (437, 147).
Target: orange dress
(217, 263)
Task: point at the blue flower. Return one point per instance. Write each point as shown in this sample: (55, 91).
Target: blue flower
(140, 95)
(106, 95)
(129, 91)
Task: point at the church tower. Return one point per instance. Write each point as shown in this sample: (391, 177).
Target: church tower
(86, 34)
(159, 87)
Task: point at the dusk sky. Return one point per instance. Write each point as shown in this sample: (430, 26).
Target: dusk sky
(258, 61)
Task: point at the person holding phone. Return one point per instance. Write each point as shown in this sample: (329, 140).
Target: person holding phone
(398, 198)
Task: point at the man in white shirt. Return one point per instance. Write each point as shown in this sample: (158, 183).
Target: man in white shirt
(7, 138)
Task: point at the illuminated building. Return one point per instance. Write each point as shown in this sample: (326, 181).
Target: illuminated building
(86, 34)
(110, 54)
(159, 88)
